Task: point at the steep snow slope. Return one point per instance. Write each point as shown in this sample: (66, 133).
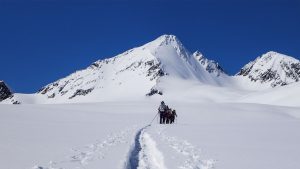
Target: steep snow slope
(133, 74)
(270, 70)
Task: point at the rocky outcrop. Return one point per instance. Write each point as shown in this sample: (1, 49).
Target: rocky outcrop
(5, 92)
(273, 69)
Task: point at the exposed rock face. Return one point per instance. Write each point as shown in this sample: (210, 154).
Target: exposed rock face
(210, 66)
(273, 69)
(81, 92)
(154, 91)
(4, 91)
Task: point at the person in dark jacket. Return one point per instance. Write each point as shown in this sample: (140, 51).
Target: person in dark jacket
(173, 116)
(162, 111)
(168, 115)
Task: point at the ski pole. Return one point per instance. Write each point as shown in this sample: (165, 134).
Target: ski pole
(154, 118)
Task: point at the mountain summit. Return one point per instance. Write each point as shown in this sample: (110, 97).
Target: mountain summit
(272, 69)
(135, 72)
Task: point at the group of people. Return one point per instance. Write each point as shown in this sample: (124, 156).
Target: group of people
(166, 114)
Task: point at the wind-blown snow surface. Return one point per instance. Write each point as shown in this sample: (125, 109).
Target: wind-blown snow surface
(104, 135)
(284, 96)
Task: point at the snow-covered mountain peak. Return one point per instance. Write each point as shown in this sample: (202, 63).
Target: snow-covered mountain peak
(167, 43)
(134, 73)
(275, 57)
(272, 69)
(167, 39)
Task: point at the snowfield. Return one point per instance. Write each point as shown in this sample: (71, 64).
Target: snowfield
(116, 135)
(101, 117)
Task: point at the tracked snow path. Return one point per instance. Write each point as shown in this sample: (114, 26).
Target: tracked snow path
(144, 153)
(84, 156)
(191, 153)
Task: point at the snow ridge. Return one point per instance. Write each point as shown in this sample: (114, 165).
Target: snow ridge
(210, 66)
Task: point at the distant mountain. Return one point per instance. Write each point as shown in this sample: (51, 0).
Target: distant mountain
(272, 69)
(136, 72)
(4, 91)
(6, 95)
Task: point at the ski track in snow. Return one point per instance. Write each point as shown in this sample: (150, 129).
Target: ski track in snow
(96, 151)
(144, 153)
(193, 154)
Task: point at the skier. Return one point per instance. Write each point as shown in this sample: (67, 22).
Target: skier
(174, 115)
(168, 115)
(162, 111)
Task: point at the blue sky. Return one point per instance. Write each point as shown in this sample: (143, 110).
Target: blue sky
(44, 40)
